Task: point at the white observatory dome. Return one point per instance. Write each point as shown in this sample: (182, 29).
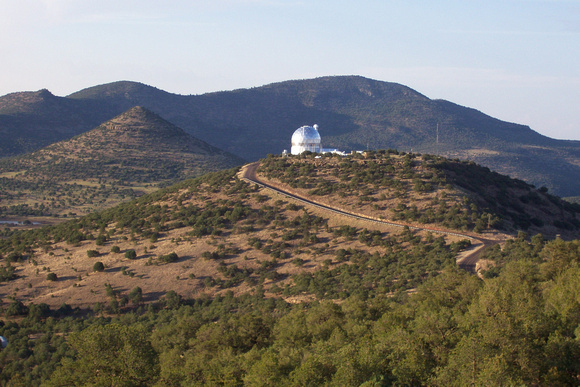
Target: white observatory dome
(305, 139)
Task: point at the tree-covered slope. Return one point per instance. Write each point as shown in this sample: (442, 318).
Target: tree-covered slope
(218, 233)
(518, 328)
(214, 234)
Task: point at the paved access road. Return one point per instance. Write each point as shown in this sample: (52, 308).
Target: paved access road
(468, 262)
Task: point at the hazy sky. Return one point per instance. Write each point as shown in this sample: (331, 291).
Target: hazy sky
(517, 60)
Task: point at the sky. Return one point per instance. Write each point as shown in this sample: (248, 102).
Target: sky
(516, 60)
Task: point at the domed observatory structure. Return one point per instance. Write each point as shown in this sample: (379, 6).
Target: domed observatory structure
(305, 139)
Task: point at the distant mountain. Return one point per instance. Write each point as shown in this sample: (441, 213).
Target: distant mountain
(352, 112)
(31, 120)
(130, 152)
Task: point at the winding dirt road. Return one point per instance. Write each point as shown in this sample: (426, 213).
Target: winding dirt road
(467, 262)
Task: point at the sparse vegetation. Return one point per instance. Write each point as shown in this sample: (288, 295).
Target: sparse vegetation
(423, 189)
(119, 160)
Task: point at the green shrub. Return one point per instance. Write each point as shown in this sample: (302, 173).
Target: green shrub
(92, 253)
(51, 277)
(98, 266)
(15, 257)
(101, 239)
(130, 254)
(171, 257)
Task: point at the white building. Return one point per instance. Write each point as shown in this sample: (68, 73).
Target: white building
(305, 139)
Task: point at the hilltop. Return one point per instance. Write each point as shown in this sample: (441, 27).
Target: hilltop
(124, 157)
(354, 113)
(424, 190)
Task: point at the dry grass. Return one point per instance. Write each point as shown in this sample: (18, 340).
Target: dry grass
(79, 286)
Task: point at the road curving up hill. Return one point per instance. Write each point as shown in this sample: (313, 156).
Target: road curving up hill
(467, 260)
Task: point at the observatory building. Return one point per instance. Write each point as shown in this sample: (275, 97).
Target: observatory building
(305, 139)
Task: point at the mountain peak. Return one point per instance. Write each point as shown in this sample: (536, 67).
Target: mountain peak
(25, 101)
(138, 114)
(127, 90)
(142, 121)
(135, 147)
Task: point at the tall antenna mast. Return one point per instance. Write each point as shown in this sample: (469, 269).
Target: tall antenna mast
(437, 140)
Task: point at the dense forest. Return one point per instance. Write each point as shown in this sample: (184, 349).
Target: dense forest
(519, 326)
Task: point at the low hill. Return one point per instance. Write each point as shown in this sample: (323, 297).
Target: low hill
(216, 233)
(126, 156)
(424, 190)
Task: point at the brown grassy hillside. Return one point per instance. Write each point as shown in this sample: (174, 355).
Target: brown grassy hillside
(125, 157)
(425, 190)
(226, 235)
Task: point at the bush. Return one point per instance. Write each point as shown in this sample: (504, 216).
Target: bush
(171, 257)
(98, 266)
(130, 254)
(115, 249)
(16, 308)
(92, 253)
(136, 295)
(7, 273)
(15, 257)
(51, 277)
(101, 239)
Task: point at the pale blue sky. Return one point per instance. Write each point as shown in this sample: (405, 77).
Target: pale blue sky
(517, 60)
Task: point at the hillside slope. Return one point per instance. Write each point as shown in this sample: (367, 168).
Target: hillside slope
(352, 112)
(133, 152)
(216, 233)
(215, 281)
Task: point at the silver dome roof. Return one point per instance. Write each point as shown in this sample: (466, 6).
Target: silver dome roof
(305, 139)
(306, 135)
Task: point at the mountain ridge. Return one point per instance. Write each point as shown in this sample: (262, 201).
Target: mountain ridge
(353, 112)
